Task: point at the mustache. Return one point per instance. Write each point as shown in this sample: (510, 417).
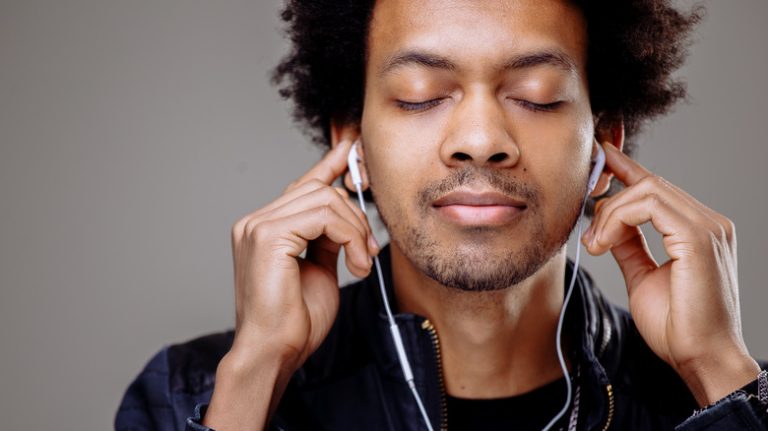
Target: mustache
(469, 175)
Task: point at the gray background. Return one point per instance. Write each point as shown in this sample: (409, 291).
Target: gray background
(134, 133)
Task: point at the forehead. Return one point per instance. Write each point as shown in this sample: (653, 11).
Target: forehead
(476, 33)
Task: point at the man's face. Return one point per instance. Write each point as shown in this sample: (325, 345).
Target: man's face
(477, 132)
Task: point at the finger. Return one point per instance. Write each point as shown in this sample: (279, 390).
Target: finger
(373, 245)
(325, 253)
(653, 185)
(651, 209)
(290, 195)
(325, 196)
(330, 167)
(342, 192)
(630, 172)
(623, 167)
(624, 238)
(630, 250)
(238, 228)
(634, 257)
(291, 235)
(648, 185)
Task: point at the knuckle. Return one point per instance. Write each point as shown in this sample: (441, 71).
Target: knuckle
(330, 195)
(326, 212)
(258, 231)
(292, 185)
(731, 230)
(652, 182)
(703, 238)
(316, 183)
(720, 233)
(237, 228)
(710, 240)
(655, 201)
(727, 229)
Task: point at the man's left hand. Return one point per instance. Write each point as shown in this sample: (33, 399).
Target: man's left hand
(686, 309)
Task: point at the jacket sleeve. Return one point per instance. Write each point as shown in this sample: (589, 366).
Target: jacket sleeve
(194, 422)
(150, 403)
(741, 410)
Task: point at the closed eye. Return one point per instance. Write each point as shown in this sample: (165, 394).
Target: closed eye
(427, 104)
(538, 107)
(418, 106)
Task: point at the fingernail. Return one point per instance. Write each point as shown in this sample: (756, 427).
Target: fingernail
(373, 243)
(588, 236)
(342, 143)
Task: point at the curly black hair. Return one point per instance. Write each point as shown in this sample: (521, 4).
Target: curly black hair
(634, 46)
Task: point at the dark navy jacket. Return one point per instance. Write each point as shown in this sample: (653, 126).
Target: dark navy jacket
(354, 382)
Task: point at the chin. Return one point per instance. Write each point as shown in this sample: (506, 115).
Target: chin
(475, 263)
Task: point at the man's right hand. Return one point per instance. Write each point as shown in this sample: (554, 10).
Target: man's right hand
(286, 304)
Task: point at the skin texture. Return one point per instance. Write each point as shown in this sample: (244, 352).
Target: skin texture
(492, 286)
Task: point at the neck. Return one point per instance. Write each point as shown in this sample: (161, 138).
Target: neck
(493, 344)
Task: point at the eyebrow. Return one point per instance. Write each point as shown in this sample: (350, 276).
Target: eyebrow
(553, 58)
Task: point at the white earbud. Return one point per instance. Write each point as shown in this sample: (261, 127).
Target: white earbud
(354, 169)
(594, 176)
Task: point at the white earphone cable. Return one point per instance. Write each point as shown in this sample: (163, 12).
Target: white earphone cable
(558, 337)
(394, 329)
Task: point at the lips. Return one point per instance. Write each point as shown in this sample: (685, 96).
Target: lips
(471, 208)
(477, 199)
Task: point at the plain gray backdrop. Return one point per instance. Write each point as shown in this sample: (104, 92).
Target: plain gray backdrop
(134, 133)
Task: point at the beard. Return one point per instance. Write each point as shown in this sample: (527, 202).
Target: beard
(475, 265)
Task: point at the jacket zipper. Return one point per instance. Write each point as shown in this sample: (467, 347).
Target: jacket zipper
(608, 421)
(429, 327)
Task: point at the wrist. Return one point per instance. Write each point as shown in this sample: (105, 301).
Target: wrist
(248, 387)
(715, 377)
(244, 363)
(253, 347)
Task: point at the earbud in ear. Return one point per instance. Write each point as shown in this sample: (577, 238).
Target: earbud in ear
(594, 176)
(353, 161)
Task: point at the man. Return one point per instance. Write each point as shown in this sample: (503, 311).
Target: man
(476, 123)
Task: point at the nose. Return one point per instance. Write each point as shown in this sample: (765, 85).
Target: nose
(478, 134)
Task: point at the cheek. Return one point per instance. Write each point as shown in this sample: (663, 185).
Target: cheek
(557, 160)
(397, 155)
(395, 174)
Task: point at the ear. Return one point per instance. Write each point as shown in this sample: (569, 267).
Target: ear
(607, 133)
(349, 132)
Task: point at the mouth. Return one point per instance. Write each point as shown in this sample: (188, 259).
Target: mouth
(479, 208)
